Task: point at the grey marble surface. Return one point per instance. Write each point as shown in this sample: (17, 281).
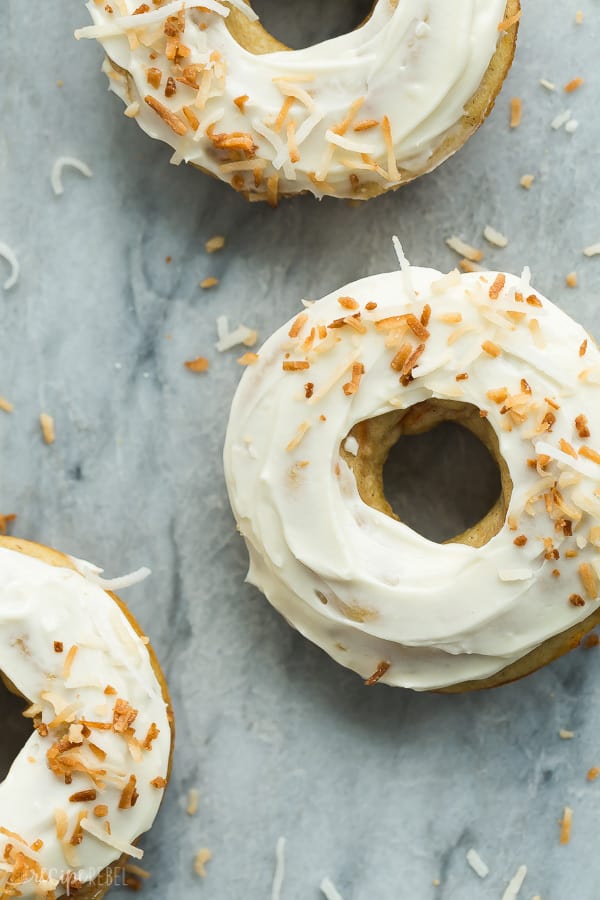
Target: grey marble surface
(383, 790)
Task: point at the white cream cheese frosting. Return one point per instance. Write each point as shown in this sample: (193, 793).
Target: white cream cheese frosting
(366, 588)
(325, 119)
(91, 777)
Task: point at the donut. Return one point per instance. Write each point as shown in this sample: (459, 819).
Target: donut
(351, 117)
(312, 422)
(91, 776)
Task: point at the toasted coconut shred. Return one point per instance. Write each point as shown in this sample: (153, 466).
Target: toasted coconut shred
(71, 162)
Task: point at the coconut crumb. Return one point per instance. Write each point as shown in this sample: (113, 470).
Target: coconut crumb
(515, 884)
(477, 864)
(70, 162)
(193, 801)
(593, 773)
(491, 348)
(5, 521)
(329, 890)
(565, 825)
(579, 17)
(203, 856)
(9, 255)
(496, 238)
(549, 85)
(571, 280)
(279, 873)
(6, 405)
(516, 111)
(209, 282)
(47, 426)
(566, 735)
(573, 85)
(247, 359)
(464, 249)
(215, 243)
(200, 364)
(592, 250)
(526, 181)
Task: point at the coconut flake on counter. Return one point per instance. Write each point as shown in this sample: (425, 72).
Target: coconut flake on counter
(561, 119)
(329, 890)
(279, 873)
(92, 574)
(9, 255)
(592, 250)
(565, 735)
(496, 238)
(515, 884)
(526, 181)
(477, 864)
(203, 856)
(549, 85)
(71, 162)
(463, 249)
(240, 335)
(571, 126)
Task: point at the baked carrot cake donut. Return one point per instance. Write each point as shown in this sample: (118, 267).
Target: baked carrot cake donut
(351, 117)
(313, 421)
(91, 776)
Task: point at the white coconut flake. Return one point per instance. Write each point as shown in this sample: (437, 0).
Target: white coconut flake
(526, 279)
(561, 119)
(71, 162)
(514, 574)
(592, 250)
(111, 840)
(404, 266)
(329, 890)
(351, 144)
(515, 884)
(463, 249)
(9, 255)
(477, 864)
(222, 326)
(279, 873)
(494, 237)
(351, 445)
(566, 735)
(240, 335)
(571, 126)
(93, 573)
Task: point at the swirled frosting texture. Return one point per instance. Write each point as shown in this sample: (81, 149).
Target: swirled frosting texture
(437, 614)
(103, 681)
(363, 104)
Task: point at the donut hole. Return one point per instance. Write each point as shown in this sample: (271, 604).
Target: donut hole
(435, 466)
(295, 25)
(15, 728)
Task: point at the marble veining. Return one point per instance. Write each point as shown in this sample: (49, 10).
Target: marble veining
(382, 790)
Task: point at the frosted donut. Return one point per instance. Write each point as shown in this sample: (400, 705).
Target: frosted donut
(311, 425)
(91, 776)
(350, 117)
